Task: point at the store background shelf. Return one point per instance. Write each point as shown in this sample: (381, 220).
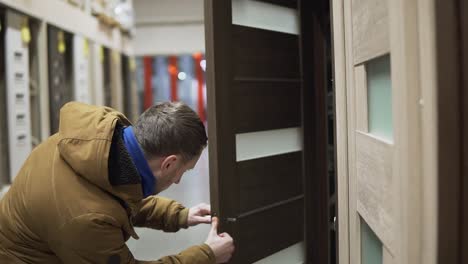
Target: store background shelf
(75, 20)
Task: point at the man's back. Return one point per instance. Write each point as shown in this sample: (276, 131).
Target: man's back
(48, 193)
(78, 195)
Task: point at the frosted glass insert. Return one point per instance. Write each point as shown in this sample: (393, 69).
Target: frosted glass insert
(371, 247)
(379, 96)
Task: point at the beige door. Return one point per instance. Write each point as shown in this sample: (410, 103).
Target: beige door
(371, 135)
(384, 98)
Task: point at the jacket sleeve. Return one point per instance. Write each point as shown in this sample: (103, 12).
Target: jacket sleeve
(161, 213)
(97, 238)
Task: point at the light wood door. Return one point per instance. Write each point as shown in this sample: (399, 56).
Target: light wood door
(371, 134)
(386, 130)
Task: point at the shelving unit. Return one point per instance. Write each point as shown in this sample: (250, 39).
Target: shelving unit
(74, 20)
(92, 59)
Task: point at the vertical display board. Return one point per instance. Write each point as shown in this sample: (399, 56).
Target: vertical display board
(97, 73)
(4, 171)
(81, 83)
(254, 144)
(116, 81)
(130, 87)
(106, 66)
(34, 27)
(17, 87)
(60, 91)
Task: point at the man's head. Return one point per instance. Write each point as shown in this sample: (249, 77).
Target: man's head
(172, 137)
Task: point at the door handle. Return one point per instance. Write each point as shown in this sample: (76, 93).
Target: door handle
(225, 219)
(230, 219)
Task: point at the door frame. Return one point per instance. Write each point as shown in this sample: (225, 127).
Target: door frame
(433, 203)
(451, 36)
(312, 42)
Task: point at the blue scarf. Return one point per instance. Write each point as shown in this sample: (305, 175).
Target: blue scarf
(147, 178)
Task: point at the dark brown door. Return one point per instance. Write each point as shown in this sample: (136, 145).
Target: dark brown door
(129, 88)
(107, 76)
(452, 113)
(318, 121)
(464, 73)
(126, 81)
(254, 131)
(60, 73)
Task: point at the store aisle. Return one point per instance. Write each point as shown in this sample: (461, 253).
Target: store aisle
(193, 189)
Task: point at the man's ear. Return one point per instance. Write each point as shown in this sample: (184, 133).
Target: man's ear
(169, 162)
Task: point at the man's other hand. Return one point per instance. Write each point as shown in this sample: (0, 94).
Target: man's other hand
(200, 214)
(222, 244)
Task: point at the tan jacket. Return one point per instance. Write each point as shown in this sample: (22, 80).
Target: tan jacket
(62, 208)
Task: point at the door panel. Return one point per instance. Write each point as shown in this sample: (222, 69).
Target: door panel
(255, 149)
(245, 13)
(130, 88)
(4, 170)
(35, 82)
(371, 139)
(264, 54)
(60, 73)
(106, 58)
(464, 43)
(265, 232)
(81, 64)
(18, 93)
(116, 81)
(262, 181)
(280, 105)
(97, 73)
(370, 29)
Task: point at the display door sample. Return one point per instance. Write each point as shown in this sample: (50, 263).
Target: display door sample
(254, 97)
(17, 87)
(116, 81)
(106, 58)
(60, 83)
(81, 64)
(464, 208)
(96, 73)
(373, 218)
(35, 78)
(4, 166)
(130, 87)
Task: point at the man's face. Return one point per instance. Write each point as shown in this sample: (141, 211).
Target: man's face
(171, 171)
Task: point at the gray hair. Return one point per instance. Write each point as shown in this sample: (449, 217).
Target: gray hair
(170, 128)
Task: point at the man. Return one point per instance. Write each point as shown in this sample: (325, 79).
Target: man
(79, 194)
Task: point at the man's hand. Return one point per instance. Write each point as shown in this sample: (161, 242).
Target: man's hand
(200, 214)
(222, 244)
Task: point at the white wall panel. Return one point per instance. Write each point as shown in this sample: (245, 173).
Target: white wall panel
(294, 254)
(81, 83)
(267, 16)
(18, 105)
(268, 143)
